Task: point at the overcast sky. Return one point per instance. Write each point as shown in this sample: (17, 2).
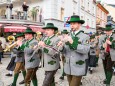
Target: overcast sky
(107, 1)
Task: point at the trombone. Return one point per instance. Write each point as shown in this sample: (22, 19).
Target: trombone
(12, 46)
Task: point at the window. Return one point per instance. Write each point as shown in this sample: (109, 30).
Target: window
(92, 24)
(93, 10)
(88, 6)
(73, 13)
(75, 6)
(62, 14)
(75, 0)
(101, 13)
(87, 21)
(81, 17)
(82, 2)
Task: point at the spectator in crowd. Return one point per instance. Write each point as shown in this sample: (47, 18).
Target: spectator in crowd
(25, 9)
(1, 50)
(11, 7)
(3, 40)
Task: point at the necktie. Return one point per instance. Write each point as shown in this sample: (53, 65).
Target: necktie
(108, 46)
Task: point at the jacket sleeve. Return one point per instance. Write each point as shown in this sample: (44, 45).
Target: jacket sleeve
(101, 41)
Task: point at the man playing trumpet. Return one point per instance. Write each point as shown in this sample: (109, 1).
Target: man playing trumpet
(107, 45)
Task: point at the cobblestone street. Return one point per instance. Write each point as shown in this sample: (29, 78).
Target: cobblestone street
(95, 79)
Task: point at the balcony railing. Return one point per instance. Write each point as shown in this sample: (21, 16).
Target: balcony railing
(7, 1)
(3, 2)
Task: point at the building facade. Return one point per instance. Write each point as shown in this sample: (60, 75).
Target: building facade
(58, 11)
(102, 14)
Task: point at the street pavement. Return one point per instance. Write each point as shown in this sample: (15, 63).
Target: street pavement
(95, 79)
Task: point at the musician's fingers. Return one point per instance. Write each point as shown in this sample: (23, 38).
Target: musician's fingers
(60, 43)
(35, 47)
(108, 42)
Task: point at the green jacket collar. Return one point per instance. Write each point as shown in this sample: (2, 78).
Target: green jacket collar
(76, 33)
(30, 40)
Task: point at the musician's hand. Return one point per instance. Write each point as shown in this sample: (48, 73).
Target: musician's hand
(35, 46)
(19, 42)
(70, 40)
(105, 45)
(108, 42)
(60, 44)
(42, 44)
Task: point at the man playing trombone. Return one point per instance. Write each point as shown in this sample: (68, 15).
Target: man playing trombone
(19, 51)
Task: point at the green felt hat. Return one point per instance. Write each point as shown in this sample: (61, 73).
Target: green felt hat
(97, 34)
(75, 18)
(19, 35)
(108, 28)
(29, 31)
(64, 32)
(50, 26)
(92, 36)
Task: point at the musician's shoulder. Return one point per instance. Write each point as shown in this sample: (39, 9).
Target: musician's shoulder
(103, 36)
(113, 35)
(84, 35)
(34, 40)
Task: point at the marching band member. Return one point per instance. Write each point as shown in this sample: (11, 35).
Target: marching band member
(63, 34)
(1, 50)
(11, 65)
(97, 47)
(19, 51)
(50, 55)
(107, 47)
(31, 63)
(92, 54)
(76, 50)
(114, 64)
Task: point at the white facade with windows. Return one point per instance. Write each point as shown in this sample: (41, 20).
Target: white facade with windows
(55, 11)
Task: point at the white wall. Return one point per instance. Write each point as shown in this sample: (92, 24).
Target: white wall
(51, 9)
(89, 15)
